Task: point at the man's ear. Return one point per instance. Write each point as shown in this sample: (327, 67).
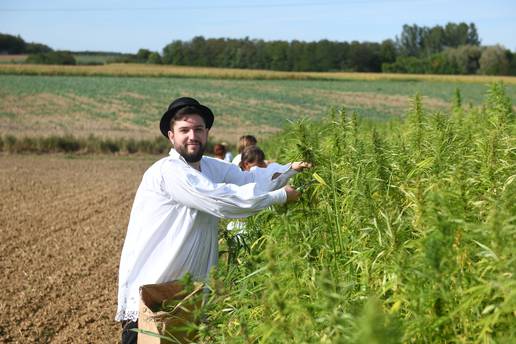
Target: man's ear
(171, 136)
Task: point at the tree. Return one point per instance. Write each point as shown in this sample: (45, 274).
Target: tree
(173, 53)
(494, 61)
(388, 51)
(143, 55)
(473, 35)
(53, 57)
(456, 34)
(33, 48)
(411, 40)
(433, 40)
(154, 58)
(365, 57)
(10, 44)
(464, 59)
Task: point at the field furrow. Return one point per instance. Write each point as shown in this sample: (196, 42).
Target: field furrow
(63, 222)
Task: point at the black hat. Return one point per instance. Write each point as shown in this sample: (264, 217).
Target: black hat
(179, 103)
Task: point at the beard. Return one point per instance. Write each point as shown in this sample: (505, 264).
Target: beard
(194, 156)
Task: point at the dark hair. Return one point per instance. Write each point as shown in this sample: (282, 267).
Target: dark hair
(246, 141)
(187, 110)
(219, 149)
(252, 154)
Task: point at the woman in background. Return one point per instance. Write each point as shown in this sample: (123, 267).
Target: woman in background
(219, 151)
(245, 141)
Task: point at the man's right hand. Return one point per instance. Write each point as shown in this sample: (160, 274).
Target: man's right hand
(292, 194)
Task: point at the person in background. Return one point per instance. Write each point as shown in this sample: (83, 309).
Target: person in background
(229, 156)
(219, 151)
(250, 157)
(245, 141)
(253, 160)
(173, 226)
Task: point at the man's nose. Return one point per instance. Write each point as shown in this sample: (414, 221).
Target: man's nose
(191, 134)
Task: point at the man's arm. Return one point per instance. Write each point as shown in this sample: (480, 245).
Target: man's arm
(187, 186)
(271, 178)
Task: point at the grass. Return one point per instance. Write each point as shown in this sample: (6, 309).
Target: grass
(116, 107)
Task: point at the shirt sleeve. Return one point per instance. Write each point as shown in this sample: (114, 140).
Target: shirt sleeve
(263, 177)
(189, 187)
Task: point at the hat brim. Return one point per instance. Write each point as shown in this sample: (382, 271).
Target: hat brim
(203, 111)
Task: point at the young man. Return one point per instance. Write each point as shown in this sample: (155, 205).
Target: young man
(173, 224)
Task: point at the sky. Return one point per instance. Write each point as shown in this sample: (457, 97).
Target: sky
(128, 25)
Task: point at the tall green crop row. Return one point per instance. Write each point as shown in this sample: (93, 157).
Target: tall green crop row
(405, 233)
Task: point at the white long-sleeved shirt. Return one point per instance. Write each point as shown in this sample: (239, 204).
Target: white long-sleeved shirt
(173, 227)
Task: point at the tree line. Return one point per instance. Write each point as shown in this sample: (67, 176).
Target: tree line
(449, 49)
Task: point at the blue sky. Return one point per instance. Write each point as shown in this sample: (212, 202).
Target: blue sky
(126, 26)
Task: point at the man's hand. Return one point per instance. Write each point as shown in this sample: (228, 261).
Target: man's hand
(301, 165)
(292, 194)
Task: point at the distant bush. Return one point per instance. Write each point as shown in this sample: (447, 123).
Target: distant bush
(52, 57)
(124, 58)
(407, 64)
(34, 48)
(89, 145)
(494, 61)
(154, 58)
(109, 146)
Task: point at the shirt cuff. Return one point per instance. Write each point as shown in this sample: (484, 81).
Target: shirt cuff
(278, 196)
(290, 172)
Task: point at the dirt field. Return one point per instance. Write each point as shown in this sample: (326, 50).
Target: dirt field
(62, 223)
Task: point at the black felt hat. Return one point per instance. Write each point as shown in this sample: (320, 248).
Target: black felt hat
(179, 103)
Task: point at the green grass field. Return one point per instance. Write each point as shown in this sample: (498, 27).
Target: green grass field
(131, 106)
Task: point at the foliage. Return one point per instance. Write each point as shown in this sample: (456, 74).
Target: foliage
(465, 59)
(407, 235)
(424, 41)
(10, 44)
(52, 57)
(88, 145)
(494, 61)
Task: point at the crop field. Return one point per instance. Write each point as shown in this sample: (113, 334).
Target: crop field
(405, 234)
(111, 106)
(62, 223)
(405, 231)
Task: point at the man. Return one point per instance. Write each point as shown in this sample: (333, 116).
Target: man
(173, 225)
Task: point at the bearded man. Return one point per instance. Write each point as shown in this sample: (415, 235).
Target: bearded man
(173, 226)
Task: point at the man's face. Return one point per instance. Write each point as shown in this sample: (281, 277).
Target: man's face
(189, 136)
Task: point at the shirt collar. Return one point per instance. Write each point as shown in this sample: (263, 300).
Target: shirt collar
(175, 155)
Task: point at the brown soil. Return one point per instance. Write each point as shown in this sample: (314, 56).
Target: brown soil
(62, 223)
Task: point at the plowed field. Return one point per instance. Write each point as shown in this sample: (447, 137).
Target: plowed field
(62, 225)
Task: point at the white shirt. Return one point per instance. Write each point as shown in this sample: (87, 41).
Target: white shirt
(228, 157)
(237, 159)
(173, 227)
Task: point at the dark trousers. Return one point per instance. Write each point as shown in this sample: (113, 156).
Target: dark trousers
(128, 336)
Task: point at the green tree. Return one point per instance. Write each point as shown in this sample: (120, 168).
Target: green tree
(494, 61)
(33, 48)
(143, 55)
(473, 38)
(154, 58)
(173, 53)
(456, 34)
(410, 41)
(53, 57)
(433, 40)
(465, 58)
(10, 44)
(388, 51)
